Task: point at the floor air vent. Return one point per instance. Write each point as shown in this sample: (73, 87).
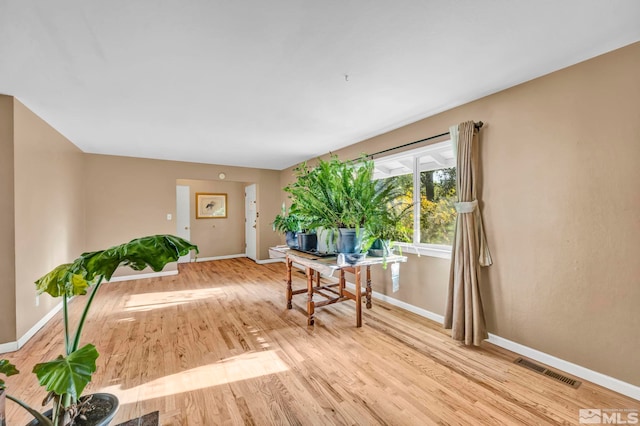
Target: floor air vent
(543, 370)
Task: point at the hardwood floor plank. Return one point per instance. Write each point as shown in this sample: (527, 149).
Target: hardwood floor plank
(215, 345)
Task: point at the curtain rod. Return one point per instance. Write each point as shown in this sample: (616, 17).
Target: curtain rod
(477, 125)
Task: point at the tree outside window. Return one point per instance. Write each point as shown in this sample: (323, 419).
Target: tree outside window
(431, 170)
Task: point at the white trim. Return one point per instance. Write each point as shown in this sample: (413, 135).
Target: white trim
(14, 346)
(8, 347)
(403, 305)
(234, 256)
(592, 376)
(43, 321)
(228, 256)
(141, 276)
(415, 154)
(443, 252)
(411, 308)
(262, 262)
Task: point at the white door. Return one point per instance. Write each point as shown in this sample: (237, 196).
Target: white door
(251, 220)
(183, 217)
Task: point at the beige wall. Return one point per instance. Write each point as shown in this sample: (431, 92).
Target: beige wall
(561, 208)
(421, 282)
(130, 197)
(49, 221)
(219, 236)
(7, 217)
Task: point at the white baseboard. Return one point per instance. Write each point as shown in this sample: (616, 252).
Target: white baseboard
(404, 305)
(14, 346)
(141, 276)
(407, 307)
(228, 256)
(603, 380)
(234, 256)
(576, 370)
(262, 262)
(8, 347)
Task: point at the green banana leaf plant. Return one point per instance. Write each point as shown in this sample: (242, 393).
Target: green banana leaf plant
(66, 377)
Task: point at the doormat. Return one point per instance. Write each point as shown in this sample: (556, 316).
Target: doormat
(151, 419)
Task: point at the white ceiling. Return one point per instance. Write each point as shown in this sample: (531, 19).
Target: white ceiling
(270, 83)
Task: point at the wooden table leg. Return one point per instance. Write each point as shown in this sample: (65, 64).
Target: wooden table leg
(342, 282)
(289, 289)
(358, 298)
(310, 305)
(368, 287)
(317, 278)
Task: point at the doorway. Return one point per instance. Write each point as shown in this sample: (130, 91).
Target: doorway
(251, 220)
(183, 219)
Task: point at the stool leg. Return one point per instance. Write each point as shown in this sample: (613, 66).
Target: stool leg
(358, 297)
(289, 289)
(310, 305)
(368, 287)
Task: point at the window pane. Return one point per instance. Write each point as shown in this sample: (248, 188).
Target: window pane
(437, 212)
(403, 231)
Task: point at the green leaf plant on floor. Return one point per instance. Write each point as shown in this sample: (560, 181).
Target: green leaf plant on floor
(66, 377)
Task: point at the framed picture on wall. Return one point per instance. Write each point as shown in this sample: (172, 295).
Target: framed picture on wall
(211, 206)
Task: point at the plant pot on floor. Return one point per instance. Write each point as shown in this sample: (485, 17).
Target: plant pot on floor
(3, 398)
(307, 242)
(99, 413)
(349, 240)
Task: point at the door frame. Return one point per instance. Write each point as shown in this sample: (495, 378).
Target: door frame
(248, 219)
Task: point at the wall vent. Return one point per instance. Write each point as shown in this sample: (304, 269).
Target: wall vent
(549, 373)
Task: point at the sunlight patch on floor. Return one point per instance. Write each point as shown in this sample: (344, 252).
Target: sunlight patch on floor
(228, 370)
(148, 301)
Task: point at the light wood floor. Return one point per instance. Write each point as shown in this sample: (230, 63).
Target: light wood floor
(215, 345)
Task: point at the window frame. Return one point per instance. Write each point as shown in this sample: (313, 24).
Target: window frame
(416, 247)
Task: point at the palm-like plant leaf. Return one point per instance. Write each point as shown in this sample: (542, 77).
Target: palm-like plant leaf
(154, 251)
(74, 278)
(7, 369)
(68, 375)
(63, 280)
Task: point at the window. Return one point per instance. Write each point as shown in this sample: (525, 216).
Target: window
(427, 176)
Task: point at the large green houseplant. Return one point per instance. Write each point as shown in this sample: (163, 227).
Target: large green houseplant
(66, 377)
(344, 197)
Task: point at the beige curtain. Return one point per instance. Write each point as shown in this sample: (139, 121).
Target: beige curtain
(464, 314)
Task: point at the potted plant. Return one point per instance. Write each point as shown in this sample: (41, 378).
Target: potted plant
(289, 224)
(383, 231)
(342, 196)
(66, 377)
(308, 240)
(7, 369)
